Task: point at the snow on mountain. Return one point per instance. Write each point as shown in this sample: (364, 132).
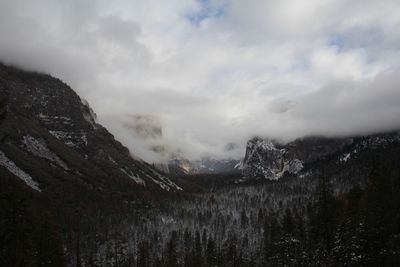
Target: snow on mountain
(47, 120)
(39, 148)
(264, 160)
(269, 159)
(212, 165)
(14, 169)
(205, 165)
(129, 173)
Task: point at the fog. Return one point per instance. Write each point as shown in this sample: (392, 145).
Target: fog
(196, 77)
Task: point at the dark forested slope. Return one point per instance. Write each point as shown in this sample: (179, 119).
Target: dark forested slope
(59, 166)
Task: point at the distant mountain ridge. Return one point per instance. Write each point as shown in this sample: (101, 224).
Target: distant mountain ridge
(268, 159)
(178, 164)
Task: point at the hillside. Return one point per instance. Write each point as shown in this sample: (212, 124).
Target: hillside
(50, 133)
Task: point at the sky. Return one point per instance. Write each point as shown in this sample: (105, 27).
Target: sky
(201, 77)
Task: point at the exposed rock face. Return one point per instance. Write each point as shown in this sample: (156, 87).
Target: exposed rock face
(179, 165)
(270, 160)
(12, 168)
(39, 148)
(264, 159)
(48, 122)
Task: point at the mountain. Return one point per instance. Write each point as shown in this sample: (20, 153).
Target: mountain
(51, 140)
(179, 165)
(268, 159)
(211, 165)
(148, 129)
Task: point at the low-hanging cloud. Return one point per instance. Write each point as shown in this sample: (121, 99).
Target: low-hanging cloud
(198, 76)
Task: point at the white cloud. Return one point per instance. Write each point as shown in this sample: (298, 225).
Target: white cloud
(217, 71)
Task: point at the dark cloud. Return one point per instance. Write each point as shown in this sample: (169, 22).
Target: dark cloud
(352, 107)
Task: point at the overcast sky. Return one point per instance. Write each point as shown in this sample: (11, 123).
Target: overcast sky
(216, 72)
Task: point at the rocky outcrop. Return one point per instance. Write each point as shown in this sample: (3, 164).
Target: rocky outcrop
(264, 159)
(271, 160)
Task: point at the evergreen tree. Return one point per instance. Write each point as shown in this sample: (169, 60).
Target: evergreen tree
(143, 258)
(16, 242)
(266, 242)
(197, 251)
(50, 251)
(380, 211)
(210, 255)
(244, 220)
(187, 245)
(171, 259)
(3, 107)
(326, 216)
(231, 253)
(288, 225)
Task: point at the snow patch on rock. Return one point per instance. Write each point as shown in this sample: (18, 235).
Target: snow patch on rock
(71, 139)
(54, 119)
(39, 148)
(112, 160)
(295, 166)
(345, 157)
(164, 182)
(14, 169)
(264, 160)
(168, 182)
(137, 180)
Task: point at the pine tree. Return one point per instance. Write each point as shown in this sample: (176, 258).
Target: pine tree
(3, 107)
(266, 242)
(288, 222)
(380, 209)
(231, 253)
(244, 220)
(211, 258)
(197, 251)
(50, 251)
(16, 242)
(143, 258)
(171, 251)
(326, 215)
(187, 245)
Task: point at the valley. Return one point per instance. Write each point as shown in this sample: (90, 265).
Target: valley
(72, 195)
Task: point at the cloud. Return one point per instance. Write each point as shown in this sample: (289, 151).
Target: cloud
(212, 73)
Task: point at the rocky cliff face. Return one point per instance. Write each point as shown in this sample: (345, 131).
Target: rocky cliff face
(270, 160)
(264, 159)
(49, 126)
